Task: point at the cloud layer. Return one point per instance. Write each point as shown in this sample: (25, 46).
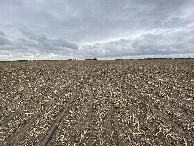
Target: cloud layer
(165, 43)
(50, 29)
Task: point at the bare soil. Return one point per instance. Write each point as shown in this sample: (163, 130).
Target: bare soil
(132, 102)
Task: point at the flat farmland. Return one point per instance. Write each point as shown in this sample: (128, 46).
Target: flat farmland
(126, 102)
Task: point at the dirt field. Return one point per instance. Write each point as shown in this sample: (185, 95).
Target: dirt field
(134, 102)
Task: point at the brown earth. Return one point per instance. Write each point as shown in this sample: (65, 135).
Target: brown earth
(134, 102)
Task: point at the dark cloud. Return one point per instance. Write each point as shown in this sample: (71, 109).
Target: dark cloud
(64, 43)
(1, 33)
(43, 41)
(4, 40)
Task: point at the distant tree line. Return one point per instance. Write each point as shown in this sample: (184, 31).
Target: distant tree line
(91, 59)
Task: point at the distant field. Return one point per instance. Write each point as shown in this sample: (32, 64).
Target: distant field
(132, 102)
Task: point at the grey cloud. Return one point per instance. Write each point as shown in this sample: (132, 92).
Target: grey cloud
(97, 20)
(31, 35)
(22, 42)
(178, 42)
(64, 43)
(4, 40)
(46, 42)
(15, 2)
(1, 33)
(33, 45)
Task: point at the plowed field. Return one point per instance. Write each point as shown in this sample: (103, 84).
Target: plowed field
(134, 102)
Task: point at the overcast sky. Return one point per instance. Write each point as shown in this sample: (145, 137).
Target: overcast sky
(62, 29)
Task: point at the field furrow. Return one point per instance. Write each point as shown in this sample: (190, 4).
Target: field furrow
(132, 102)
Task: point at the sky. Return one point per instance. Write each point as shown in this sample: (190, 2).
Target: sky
(104, 29)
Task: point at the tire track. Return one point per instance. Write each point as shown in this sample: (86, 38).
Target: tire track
(161, 115)
(37, 99)
(53, 68)
(32, 120)
(51, 131)
(133, 109)
(112, 117)
(186, 111)
(19, 111)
